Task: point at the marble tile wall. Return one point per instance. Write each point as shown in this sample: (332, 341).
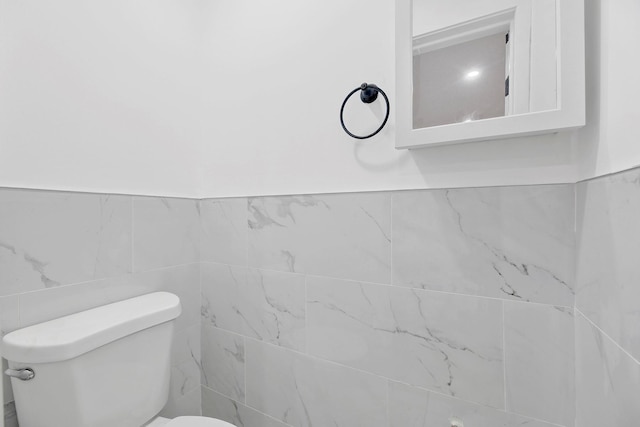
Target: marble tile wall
(66, 252)
(608, 301)
(411, 308)
(406, 309)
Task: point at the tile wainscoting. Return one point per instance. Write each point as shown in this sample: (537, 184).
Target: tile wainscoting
(608, 301)
(390, 309)
(62, 253)
(502, 306)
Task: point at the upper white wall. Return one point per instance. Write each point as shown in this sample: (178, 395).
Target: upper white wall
(611, 142)
(283, 70)
(103, 96)
(210, 98)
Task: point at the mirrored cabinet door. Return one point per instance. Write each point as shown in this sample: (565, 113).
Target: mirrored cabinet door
(470, 70)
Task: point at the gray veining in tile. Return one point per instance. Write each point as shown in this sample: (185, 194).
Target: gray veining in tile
(413, 407)
(267, 305)
(539, 358)
(505, 242)
(303, 391)
(608, 228)
(221, 295)
(49, 239)
(185, 362)
(224, 230)
(607, 380)
(189, 404)
(272, 307)
(342, 235)
(223, 360)
(445, 342)
(215, 405)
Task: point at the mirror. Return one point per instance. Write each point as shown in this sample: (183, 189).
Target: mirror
(470, 70)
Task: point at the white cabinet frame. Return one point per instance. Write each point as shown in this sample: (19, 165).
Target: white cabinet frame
(569, 114)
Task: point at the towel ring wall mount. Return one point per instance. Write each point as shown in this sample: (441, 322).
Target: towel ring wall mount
(368, 94)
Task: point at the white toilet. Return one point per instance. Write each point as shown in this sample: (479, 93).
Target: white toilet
(104, 367)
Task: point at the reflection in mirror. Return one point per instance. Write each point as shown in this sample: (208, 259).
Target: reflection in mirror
(459, 83)
(478, 60)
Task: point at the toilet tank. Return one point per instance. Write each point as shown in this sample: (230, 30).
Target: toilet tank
(104, 367)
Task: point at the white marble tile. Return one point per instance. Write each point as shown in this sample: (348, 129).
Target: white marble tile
(267, 305)
(505, 242)
(341, 235)
(185, 362)
(608, 229)
(412, 407)
(166, 232)
(607, 380)
(303, 391)
(10, 416)
(272, 307)
(445, 342)
(184, 281)
(539, 358)
(189, 404)
(49, 238)
(223, 362)
(215, 405)
(49, 304)
(186, 346)
(9, 321)
(225, 231)
(9, 314)
(221, 286)
(7, 389)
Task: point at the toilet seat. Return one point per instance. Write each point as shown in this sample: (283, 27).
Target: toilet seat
(197, 422)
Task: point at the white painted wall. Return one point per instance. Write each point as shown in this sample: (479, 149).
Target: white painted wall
(285, 68)
(209, 98)
(102, 96)
(612, 141)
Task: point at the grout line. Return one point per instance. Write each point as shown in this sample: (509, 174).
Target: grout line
(605, 175)
(133, 215)
(247, 406)
(244, 366)
(408, 288)
(265, 195)
(388, 404)
(315, 193)
(392, 278)
(371, 374)
(306, 317)
(102, 279)
(504, 357)
(351, 368)
(246, 224)
(201, 369)
(608, 337)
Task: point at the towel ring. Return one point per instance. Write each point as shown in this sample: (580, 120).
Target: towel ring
(368, 94)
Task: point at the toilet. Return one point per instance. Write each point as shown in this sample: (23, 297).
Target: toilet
(104, 367)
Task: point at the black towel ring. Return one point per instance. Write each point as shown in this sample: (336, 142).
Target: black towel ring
(368, 94)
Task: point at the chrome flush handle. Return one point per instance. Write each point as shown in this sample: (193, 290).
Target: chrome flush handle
(24, 374)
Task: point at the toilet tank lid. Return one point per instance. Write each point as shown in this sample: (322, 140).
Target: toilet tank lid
(71, 336)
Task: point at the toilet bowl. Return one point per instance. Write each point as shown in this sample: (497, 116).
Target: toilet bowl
(104, 367)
